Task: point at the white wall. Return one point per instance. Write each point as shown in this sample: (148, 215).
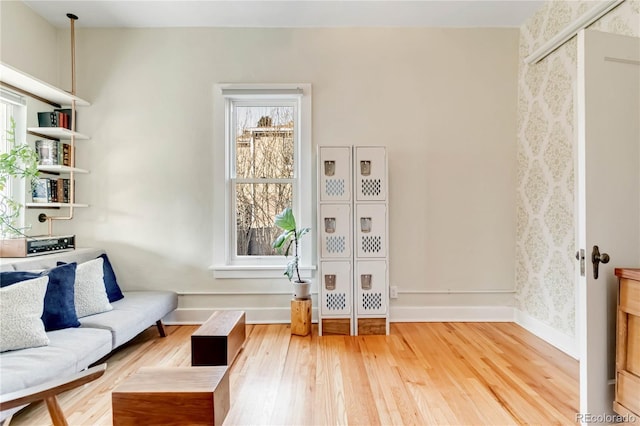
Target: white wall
(28, 42)
(442, 100)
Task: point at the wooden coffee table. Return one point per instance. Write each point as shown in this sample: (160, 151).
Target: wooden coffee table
(219, 339)
(172, 395)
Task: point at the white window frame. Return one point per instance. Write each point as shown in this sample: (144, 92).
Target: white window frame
(226, 264)
(16, 187)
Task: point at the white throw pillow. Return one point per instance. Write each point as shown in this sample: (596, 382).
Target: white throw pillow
(21, 306)
(90, 295)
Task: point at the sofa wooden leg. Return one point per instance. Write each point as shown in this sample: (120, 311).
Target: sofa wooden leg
(160, 328)
(57, 416)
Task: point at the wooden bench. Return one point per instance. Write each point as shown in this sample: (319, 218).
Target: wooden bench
(219, 339)
(172, 395)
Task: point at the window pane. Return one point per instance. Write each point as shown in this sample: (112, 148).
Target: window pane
(256, 207)
(264, 142)
(6, 111)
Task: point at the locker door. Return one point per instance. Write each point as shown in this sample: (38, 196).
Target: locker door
(371, 285)
(371, 229)
(370, 170)
(335, 173)
(336, 288)
(335, 230)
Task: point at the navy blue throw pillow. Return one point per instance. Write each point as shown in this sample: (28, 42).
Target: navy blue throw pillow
(59, 307)
(110, 282)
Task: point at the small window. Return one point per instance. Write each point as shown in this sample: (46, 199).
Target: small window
(265, 135)
(264, 175)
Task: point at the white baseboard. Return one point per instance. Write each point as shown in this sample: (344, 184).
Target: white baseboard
(564, 342)
(253, 316)
(451, 314)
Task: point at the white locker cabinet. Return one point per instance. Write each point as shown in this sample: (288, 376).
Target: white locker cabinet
(371, 284)
(371, 230)
(370, 173)
(335, 230)
(335, 174)
(353, 275)
(336, 288)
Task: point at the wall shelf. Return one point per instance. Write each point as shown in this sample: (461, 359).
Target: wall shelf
(28, 85)
(25, 82)
(53, 205)
(57, 133)
(61, 169)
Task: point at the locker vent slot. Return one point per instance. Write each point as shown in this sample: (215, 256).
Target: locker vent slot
(336, 244)
(371, 244)
(336, 301)
(371, 187)
(372, 301)
(334, 187)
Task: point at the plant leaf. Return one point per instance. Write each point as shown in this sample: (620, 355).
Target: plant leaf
(291, 267)
(279, 242)
(303, 231)
(282, 240)
(285, 220)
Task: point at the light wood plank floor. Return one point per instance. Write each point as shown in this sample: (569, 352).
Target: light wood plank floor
(421, 374)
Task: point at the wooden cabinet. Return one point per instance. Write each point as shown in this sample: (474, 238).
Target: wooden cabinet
(627, 397)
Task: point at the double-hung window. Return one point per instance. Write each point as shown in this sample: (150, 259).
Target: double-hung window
(267, 167)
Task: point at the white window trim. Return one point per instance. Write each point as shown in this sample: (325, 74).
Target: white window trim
(224, 263)
(16, 187)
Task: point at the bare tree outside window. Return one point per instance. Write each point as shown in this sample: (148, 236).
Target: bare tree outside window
(264, 169)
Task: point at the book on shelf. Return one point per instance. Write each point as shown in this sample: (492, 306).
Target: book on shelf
(66, 117)
(51, 190)
(47, 151)
(66, 155)
(55, 118)
(62, 187)
(53, 153)
(40, 189)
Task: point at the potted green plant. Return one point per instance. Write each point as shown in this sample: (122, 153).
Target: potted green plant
(20, 161)
(290, 236)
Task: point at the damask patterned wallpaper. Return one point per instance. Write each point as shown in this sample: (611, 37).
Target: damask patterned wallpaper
(545, 287)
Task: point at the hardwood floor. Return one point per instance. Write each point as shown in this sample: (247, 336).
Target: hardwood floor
(422, 373)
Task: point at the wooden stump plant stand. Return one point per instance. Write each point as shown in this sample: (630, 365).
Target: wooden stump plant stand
(300, 317)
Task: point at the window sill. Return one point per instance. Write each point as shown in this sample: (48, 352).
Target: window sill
(257, 271)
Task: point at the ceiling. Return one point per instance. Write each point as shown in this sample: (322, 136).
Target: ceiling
(288, 13)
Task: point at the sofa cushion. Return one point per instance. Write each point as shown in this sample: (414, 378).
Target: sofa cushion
(59, 307)
(69, 351)
(154, 303)
(88, 344)
(90, 294)
(21, 306)
(134, 313)
(123, 326)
